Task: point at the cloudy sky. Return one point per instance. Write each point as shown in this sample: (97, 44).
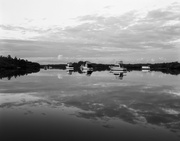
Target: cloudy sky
(58, 31)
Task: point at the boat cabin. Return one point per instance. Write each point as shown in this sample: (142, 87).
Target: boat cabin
(88, 64)
(69, 64)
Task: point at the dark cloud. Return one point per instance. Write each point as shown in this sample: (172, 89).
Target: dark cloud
(160, 14)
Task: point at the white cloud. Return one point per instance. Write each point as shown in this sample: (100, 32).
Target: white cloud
(60, 57)
(171, 23)
(110, 49)
(91, 29)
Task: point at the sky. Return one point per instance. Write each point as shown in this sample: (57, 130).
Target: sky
(102, 31)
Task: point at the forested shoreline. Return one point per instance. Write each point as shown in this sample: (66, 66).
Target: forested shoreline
(9, 63)
(16, 67)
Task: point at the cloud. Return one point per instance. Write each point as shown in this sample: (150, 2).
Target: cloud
(60, 57)
(109, 49)
(132, 30)
(138, 33)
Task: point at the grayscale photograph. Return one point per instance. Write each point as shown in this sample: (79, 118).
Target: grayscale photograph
(89, 70)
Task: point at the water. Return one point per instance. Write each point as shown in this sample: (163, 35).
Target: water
(54, 105)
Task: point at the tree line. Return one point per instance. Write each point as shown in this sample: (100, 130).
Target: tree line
(169, 67)
(15, 67)
(9, 63)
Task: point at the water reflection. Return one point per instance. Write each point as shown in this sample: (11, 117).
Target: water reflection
(69, 71)
(87, 72)
(132, 104)
(119, 74)
(140, 100)
(145, 71)
(136, 104)
(15, 73)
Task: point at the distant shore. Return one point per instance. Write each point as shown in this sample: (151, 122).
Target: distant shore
(20, 66)
(169, 67)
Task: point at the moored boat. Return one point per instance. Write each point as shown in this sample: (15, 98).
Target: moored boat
(69, 66)
(86, 67)
(118, 67)
(145, 68)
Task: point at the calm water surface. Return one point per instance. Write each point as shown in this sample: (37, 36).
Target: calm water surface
(53, 105)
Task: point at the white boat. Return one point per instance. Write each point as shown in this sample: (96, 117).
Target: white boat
(145, 69)
(69, 66)
(118, 67)
(86, 67)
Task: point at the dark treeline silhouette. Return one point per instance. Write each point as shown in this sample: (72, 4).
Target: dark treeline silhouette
(96, 67)
(54, 66)
(169, 68)
(15, 67)
(156, 66)
(10, 63)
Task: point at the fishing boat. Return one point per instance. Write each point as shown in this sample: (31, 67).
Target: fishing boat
(118, 67)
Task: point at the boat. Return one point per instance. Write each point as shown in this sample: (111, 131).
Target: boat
(145, 68)
(86, 67)
(69, 66)
(118, 67)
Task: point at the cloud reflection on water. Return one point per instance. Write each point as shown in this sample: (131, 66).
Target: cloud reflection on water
(100, 99)
(129, 104)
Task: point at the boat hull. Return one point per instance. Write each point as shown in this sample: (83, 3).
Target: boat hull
(118, 69)
(86, 69)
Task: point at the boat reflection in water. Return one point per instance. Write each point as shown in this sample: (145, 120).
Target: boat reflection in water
(69, 68)
(145, 71)
(87, 72)
(119, 74)
(69, 71)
